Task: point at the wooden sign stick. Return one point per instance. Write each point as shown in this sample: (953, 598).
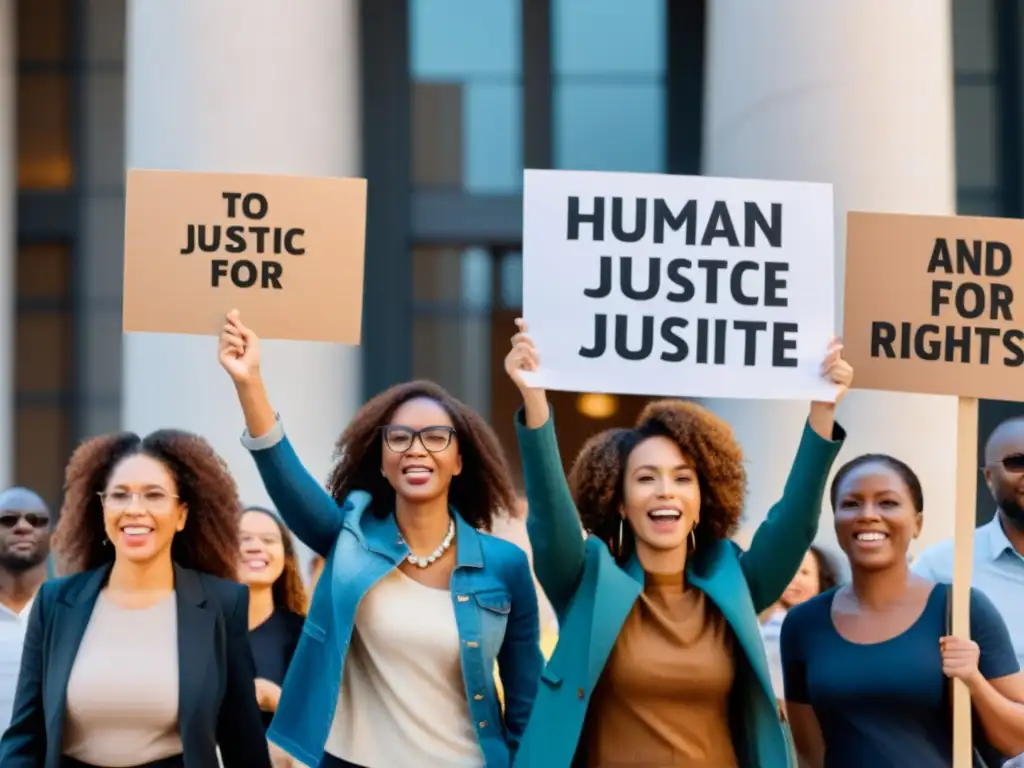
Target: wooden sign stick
(963, 557)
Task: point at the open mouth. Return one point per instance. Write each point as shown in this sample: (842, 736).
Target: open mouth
(135, 534)
(665, 518)
(417, 475)
(871, 538)
(256, 565)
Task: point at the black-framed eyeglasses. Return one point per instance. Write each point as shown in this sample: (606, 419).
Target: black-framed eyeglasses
(10, 519)
(433, 439)
(1012, 463)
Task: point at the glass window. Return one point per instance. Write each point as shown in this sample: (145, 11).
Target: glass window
(466, 63)
(44, 145)
(42, 30)
(43, 364)
(511, 281)
(42, 443)
(974, 50)
(43, 352)
(609, 84)
(43, 271)
(609, 37)
(453, 291)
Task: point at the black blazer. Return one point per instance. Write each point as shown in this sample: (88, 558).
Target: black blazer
(217, 694)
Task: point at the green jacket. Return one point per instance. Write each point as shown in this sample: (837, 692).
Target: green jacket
(592, 596)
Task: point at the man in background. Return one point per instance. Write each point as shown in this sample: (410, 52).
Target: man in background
(999, 544)
(25, 531)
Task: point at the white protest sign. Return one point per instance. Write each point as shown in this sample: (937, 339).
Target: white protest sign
(693, 286)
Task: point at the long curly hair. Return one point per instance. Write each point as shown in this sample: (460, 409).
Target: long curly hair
(597, 478)
(482, 491)
(209, 542)
(289, 591)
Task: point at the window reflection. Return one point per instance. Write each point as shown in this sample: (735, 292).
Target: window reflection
(465, 57)
(609, 72)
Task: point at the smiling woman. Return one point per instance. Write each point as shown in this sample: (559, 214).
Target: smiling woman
(865, 665)
(415, 601)
(277, 601)
(148, 535)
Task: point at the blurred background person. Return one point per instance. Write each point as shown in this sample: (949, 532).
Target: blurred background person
(277, 600)
(25, 530)
(140, 657)
(816, 575)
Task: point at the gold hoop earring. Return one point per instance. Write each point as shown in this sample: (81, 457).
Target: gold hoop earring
(618, 552)
(693, 538)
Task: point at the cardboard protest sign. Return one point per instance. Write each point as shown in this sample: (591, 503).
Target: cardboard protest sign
(285, 250)
(930, 306)
(678, 285)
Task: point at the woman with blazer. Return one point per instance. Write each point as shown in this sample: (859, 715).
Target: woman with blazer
(659, 661)
(140, 657)
(395, 666)
(867, 666)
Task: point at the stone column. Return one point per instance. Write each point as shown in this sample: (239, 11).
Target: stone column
(859, 95)
(243, 86)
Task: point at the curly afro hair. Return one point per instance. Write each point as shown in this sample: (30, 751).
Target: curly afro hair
(481, 492)
(209, 542)
(597, 476)
(289, 591)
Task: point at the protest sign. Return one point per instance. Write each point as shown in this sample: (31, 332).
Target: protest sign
(678, 285)
(285, 250)
(929, 307)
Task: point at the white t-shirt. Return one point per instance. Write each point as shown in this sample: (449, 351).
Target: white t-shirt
(12, 641)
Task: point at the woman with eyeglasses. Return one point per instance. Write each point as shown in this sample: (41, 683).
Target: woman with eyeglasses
(140, 656)
(415, 604)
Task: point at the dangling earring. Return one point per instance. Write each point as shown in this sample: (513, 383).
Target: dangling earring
(693, 538)
(622, 523)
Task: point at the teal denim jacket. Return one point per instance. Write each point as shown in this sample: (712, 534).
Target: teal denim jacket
(592, 596)
(492, 590)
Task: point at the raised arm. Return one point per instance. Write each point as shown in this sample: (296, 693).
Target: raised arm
(782, 540)
(303, 503)
(556, 535)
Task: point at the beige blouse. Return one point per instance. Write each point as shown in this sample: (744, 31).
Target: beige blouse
(403, 701)
(122, 696)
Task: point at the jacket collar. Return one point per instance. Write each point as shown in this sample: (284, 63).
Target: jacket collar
(84, 591)
(381, 534)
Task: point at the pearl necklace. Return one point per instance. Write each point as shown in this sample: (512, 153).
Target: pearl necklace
(423, 562)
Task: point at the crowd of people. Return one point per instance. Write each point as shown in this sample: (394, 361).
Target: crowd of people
(622, 627)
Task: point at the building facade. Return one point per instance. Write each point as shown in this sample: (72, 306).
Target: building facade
(440, 104)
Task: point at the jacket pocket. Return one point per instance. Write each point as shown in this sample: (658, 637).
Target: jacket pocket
(494, 600)
(493, 607)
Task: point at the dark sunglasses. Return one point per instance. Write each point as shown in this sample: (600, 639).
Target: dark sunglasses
(1012, 463)
(10, 519)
